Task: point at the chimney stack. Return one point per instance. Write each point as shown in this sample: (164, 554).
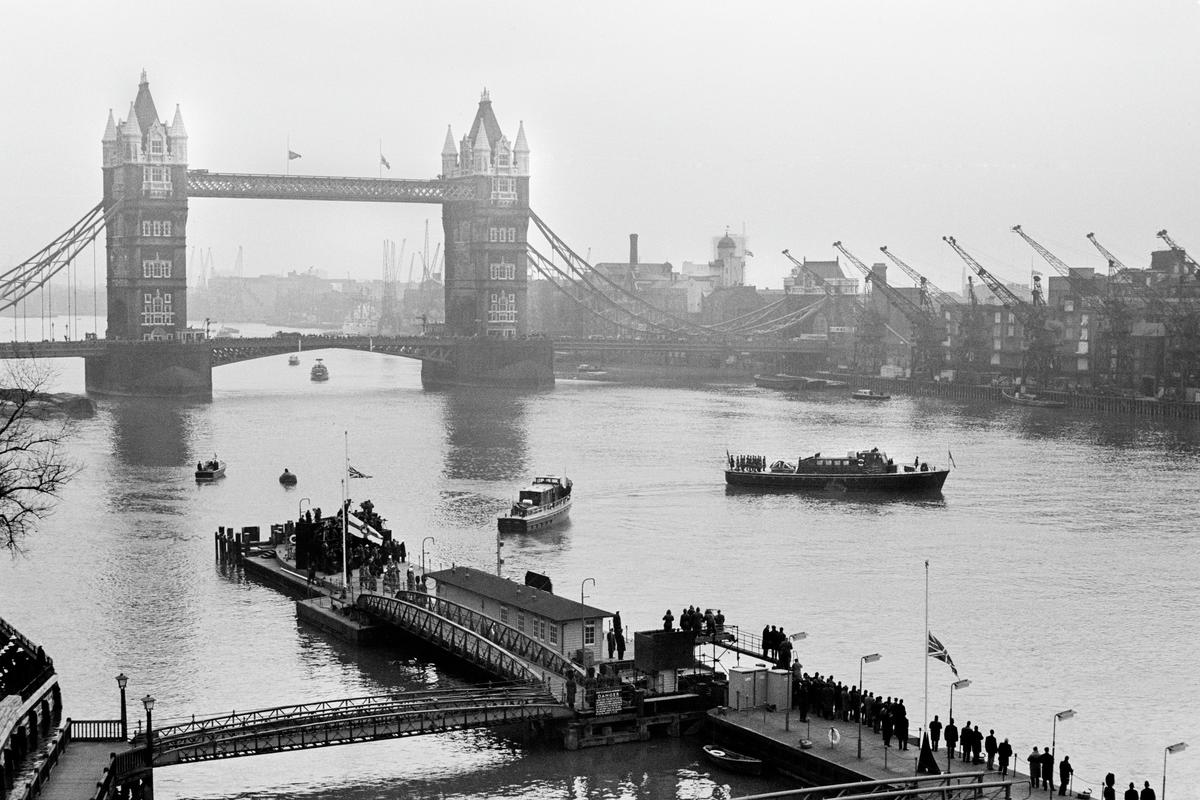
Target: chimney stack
(633, 248)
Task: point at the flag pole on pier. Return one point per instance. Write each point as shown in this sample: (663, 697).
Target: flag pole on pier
(346, 519)
(925, 649)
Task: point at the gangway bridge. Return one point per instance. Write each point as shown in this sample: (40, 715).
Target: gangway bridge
(355, 719)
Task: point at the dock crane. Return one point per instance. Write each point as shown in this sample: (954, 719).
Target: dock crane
(930, 293)
(1112, 260)
(869, 325)
(1115, 361)
(1188, 261)
(1038, 355)
(928, 330)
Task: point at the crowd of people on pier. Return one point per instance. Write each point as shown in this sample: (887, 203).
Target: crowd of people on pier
(694, 620)
(20, 664)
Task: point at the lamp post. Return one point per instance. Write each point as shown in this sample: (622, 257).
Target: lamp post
(583, 583)
(148, 702)
(861, 661)
(787, 717)
(964, 683)
(423, 541)
(1175, 748)
(122, 682)
(300, 507)
(1054, 731)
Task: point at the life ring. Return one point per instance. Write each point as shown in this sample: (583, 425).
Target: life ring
(715, 752)
(835, 736)
(292, 539)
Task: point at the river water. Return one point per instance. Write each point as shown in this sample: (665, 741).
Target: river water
(1062, 572)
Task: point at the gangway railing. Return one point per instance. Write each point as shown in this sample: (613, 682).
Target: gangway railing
(406, 606)
(947, 786)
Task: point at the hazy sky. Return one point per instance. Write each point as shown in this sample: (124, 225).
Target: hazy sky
(872, 122)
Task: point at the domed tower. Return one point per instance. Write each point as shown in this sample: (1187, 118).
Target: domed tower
(145, 181)
(733, 265)
(485, 273)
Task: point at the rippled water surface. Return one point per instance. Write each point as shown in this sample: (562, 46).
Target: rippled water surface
(1063, 571)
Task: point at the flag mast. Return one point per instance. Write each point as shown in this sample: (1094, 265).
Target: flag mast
(346, 515)
(925, 647)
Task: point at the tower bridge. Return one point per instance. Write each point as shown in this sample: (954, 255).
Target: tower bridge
(483, 189)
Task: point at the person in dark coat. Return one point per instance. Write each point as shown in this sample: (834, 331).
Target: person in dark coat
(668, 618)
(1048, 770)
(1147, 792)
(1064, 774)
(966, 739)
(886, 724)
(951, 737)
(901, 726)
(990, 747)
(976, 746)
(1131, 793)
(1004, 751)
(620, 645)
(616, 622)
(935, 732)
(610, 639)
(766, 641)
(1035, 768)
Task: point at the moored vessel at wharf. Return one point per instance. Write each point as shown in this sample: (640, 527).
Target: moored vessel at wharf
(542, 504)
(862, 471)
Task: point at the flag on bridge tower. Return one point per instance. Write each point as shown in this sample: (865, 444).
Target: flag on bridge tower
(383, 162)
(292, 154)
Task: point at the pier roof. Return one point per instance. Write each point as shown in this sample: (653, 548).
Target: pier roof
(517, 595)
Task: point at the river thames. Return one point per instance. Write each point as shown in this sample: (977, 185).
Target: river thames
(1063, 571)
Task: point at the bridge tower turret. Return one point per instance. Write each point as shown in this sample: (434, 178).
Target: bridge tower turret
(145, 180)
(485, 274)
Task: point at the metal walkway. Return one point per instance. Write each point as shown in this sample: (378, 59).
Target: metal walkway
(356, 719)
(950, 786)
(481, 640)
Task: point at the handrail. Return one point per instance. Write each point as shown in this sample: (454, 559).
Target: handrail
(914, 781)
(62, 738)
(96, 730)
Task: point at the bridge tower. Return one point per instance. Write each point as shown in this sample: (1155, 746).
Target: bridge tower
(485, 278)
(145, 190)
(145, 178)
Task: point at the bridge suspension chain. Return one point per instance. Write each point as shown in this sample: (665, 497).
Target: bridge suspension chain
(19, 282)
(550, 270)
(582, 267)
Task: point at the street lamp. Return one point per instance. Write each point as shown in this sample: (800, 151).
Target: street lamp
(864, 660)
(148, 702)
(423, 541)
(1175, 748)
(964, 683)
(1054, 731)
(583, 583)
(787, 717)
(300, 508)
(122, 682)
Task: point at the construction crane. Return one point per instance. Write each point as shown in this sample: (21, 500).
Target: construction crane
(929, 292)
(1112, 260)
(869, 328)
(1188, 261)
(1038, 353)
(1115, 362)
(928, 331)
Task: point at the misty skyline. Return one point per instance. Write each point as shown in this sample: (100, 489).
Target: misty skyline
(869, 122)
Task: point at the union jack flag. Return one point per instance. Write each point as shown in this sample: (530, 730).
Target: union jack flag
(938, 650)
(353, 473)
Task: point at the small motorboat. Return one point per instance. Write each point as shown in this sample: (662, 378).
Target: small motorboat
(1021, 398)
(211, 470)
(869, 394)
(287, 478)
(293, 360)
(734, 762)
(319, 372)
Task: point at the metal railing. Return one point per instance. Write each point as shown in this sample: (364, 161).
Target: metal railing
(407, 609)
(33, 787)
(949, 786)
(96, 730)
